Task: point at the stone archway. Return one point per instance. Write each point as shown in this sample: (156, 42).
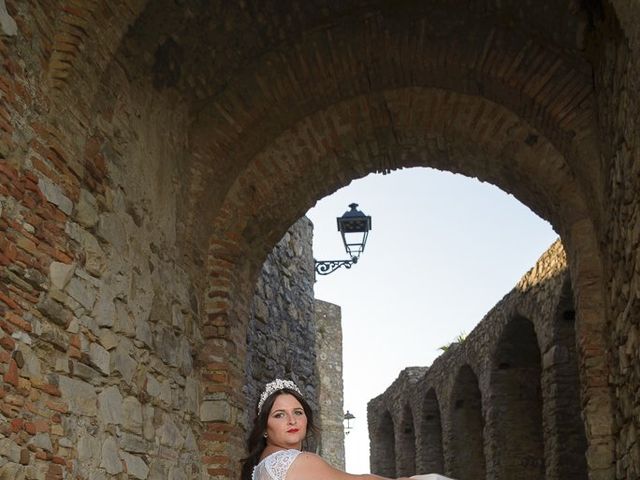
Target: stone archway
(223, 110)
(292, 166)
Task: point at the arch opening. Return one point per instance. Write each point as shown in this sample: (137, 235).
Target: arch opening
(466, 429)
(383, 458)
(516, 408)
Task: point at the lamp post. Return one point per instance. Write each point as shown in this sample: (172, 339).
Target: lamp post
(354, 227)
(348, 416)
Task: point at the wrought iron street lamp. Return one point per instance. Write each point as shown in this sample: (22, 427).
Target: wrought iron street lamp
(354, 227)
(348, 416)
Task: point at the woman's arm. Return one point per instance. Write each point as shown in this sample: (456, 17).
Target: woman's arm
(308, 466)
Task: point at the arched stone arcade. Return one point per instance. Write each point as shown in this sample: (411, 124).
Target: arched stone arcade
(516, 416)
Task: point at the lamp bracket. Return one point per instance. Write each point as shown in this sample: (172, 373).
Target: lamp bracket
(325, 267)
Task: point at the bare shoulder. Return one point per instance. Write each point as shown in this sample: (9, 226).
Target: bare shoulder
(311, 460)
(309, 466)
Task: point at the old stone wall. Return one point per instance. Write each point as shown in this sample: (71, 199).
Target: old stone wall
(281, 339)
(617, 75)
(329, 374)
(99, 312)
(503, 403)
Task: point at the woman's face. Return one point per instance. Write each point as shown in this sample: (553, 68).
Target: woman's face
(287, 423)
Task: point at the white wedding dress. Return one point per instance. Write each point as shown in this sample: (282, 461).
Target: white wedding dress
(275, 466)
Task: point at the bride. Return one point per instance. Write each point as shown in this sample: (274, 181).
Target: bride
(275, 444)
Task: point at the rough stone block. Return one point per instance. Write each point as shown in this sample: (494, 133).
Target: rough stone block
(132, 419)
(148, 430)
(54, 335)
(133, 443)
(110, 459)
(104, 311)
(43, 441)
(123, 321)
(95, 258)
(80, 396)
(122, 362)
(7, 23)
(60, 274)
(31, 367)
(100, 358)
(55, 195)
(169, 434)
(88, 447)
(112, 230)
(10, 449)
(13, 471)
(191, 394)
(54, 311)
(136, 467)
(215, 411)
(108, 339)
(166, 345)
(111, 406)
(153, 387)
(143, 332)
(86, 213)
(165, 392)
(84, 372)
(185, 359)
(82, 291)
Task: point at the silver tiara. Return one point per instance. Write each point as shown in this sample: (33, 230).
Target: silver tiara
(272, 387)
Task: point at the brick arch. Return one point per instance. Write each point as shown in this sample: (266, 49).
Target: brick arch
(81, 39)
(551, 91)
(462, 133)
(435, 128)
(516, 402)
(466, 427)
(80, 34)
(429, 449)
(406, 444)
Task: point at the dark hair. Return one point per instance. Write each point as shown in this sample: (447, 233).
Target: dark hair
(257, 442)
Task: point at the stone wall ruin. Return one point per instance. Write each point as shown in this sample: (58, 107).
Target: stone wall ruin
(503, 403)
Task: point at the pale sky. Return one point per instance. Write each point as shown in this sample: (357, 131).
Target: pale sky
(443, 250)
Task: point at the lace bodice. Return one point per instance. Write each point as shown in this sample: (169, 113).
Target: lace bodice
(275, 466)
